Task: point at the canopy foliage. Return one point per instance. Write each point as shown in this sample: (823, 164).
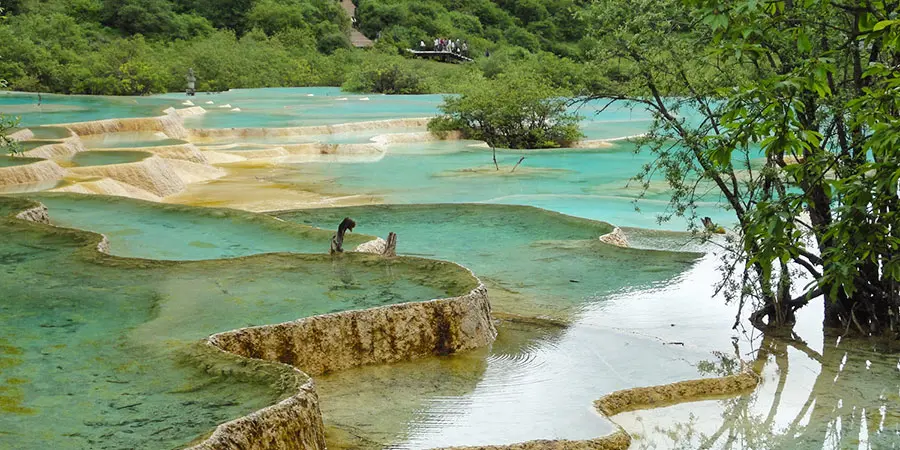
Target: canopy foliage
(137, 47)
(511, 111)
(794, 109)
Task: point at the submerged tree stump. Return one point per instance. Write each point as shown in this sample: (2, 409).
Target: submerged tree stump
(337, 241)
(391, 248)
(379, 246)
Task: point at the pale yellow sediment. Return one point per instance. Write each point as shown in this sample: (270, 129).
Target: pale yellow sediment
(107, 186)
(593, 143)
(171, 124)
(326, 343)
(37, 213)
(186, 151)
(31, 173)
(186, 112)
(263, 153)
(409, 138)
(294, 423)
(334, 149)
(191, 172)
(217, 157)
(21, 135)
(212, 134)
(158, 176)
(57, 150)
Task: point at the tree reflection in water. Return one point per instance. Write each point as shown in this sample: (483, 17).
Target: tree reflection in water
(846, 396)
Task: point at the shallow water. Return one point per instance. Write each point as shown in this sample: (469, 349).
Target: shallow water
(591, 184)
(632, 318)
(35, 143)
(12, 161)
(149, 230)
(100, 353)
(536, 382)
(291, 107)
(279, 107)
(128, 140)
(537, 263)
(50, 132)
(55, 109)
(443, 401)
(839, 396)
(105, 158)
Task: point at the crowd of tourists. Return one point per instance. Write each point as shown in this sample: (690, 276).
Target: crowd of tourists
(447, 45)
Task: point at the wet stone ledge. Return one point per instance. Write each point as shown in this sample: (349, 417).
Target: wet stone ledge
(35, 214)
(690, 390)
(619, 440)
(292, 424)
(339, 341)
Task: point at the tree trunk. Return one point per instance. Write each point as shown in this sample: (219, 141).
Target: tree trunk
(390, 249)
(494, 150)
(517, 164)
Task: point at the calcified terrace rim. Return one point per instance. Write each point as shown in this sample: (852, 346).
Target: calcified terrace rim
(297, 419)
(296, 422)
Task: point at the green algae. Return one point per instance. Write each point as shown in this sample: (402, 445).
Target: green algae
(535, 262)
(162, 231)
(117, 340)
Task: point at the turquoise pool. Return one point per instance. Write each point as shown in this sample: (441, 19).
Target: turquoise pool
(97, 351)
(105, 158)
(593, 184)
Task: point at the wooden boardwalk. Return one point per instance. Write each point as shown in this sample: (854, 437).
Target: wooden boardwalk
(444, 56)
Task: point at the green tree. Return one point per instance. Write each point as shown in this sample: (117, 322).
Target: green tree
(227, 14)
(512, 111)
(152, 17)
(7, 126)
(790, 113)
(387, 75)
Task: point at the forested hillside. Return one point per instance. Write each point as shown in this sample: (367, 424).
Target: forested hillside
(550, 25)
(128, 47)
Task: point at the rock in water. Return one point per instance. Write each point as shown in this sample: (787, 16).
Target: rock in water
(376, 246)
(616, 237)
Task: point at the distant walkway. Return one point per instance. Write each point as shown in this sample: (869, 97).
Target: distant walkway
(445, 56)
(356, 38)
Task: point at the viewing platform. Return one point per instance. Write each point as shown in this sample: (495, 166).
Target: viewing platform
(443, 56)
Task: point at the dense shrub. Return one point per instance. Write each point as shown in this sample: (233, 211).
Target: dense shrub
(517, 110)
(135, 47)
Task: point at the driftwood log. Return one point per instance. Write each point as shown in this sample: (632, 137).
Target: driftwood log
(337, 241)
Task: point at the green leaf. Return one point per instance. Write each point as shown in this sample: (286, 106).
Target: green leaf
(803, 43)
(884, 24)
